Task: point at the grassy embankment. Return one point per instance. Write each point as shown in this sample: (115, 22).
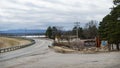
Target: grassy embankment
(9, 42)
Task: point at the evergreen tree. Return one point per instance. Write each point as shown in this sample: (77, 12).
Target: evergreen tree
(116, 2)
(49, 32)
(54, 32)
(80, 32)
(109, 28)
(74, 30)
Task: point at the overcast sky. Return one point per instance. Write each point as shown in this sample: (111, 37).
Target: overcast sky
(39, 14)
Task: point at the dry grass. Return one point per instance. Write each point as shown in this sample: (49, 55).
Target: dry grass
(65, 47)
(62, 50)
(9, 42)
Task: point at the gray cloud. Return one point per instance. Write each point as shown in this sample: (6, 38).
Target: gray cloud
(39, 14)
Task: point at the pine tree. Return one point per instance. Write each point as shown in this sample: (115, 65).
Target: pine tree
(116, 2)
(80, 32)
(49, 32)
(54, 32)
(109, 28)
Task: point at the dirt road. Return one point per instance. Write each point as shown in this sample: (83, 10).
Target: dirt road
(40, 56)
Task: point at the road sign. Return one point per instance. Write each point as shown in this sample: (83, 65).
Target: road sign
(104, 43)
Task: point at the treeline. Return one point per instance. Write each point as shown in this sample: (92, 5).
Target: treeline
(109, 28)
(89, 31)
(54, 31)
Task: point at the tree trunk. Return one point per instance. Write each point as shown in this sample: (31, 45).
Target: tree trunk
(109, 47)
(112, 47)
(117, 46)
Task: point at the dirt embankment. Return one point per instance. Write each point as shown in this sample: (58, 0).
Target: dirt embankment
(9, 42)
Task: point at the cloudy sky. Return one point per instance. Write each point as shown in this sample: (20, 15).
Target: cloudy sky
(39, 14)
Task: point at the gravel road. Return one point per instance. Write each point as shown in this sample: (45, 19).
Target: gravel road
(40, 56)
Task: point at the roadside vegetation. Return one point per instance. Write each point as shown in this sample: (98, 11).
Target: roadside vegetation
(89, 31)
(6, 42)
(108, 31)
(109, 28)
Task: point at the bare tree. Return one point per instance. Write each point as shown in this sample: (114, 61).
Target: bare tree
(90, 30)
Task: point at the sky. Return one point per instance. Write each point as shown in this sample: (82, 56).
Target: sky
(39, 14)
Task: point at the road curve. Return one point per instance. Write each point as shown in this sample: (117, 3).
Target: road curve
(40, 56)
(27, 50)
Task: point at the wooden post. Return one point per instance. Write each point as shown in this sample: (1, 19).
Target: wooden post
(98, 41)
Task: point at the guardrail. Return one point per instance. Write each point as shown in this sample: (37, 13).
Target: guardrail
(2, 50)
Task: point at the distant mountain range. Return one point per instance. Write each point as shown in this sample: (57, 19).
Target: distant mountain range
(23, 32)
